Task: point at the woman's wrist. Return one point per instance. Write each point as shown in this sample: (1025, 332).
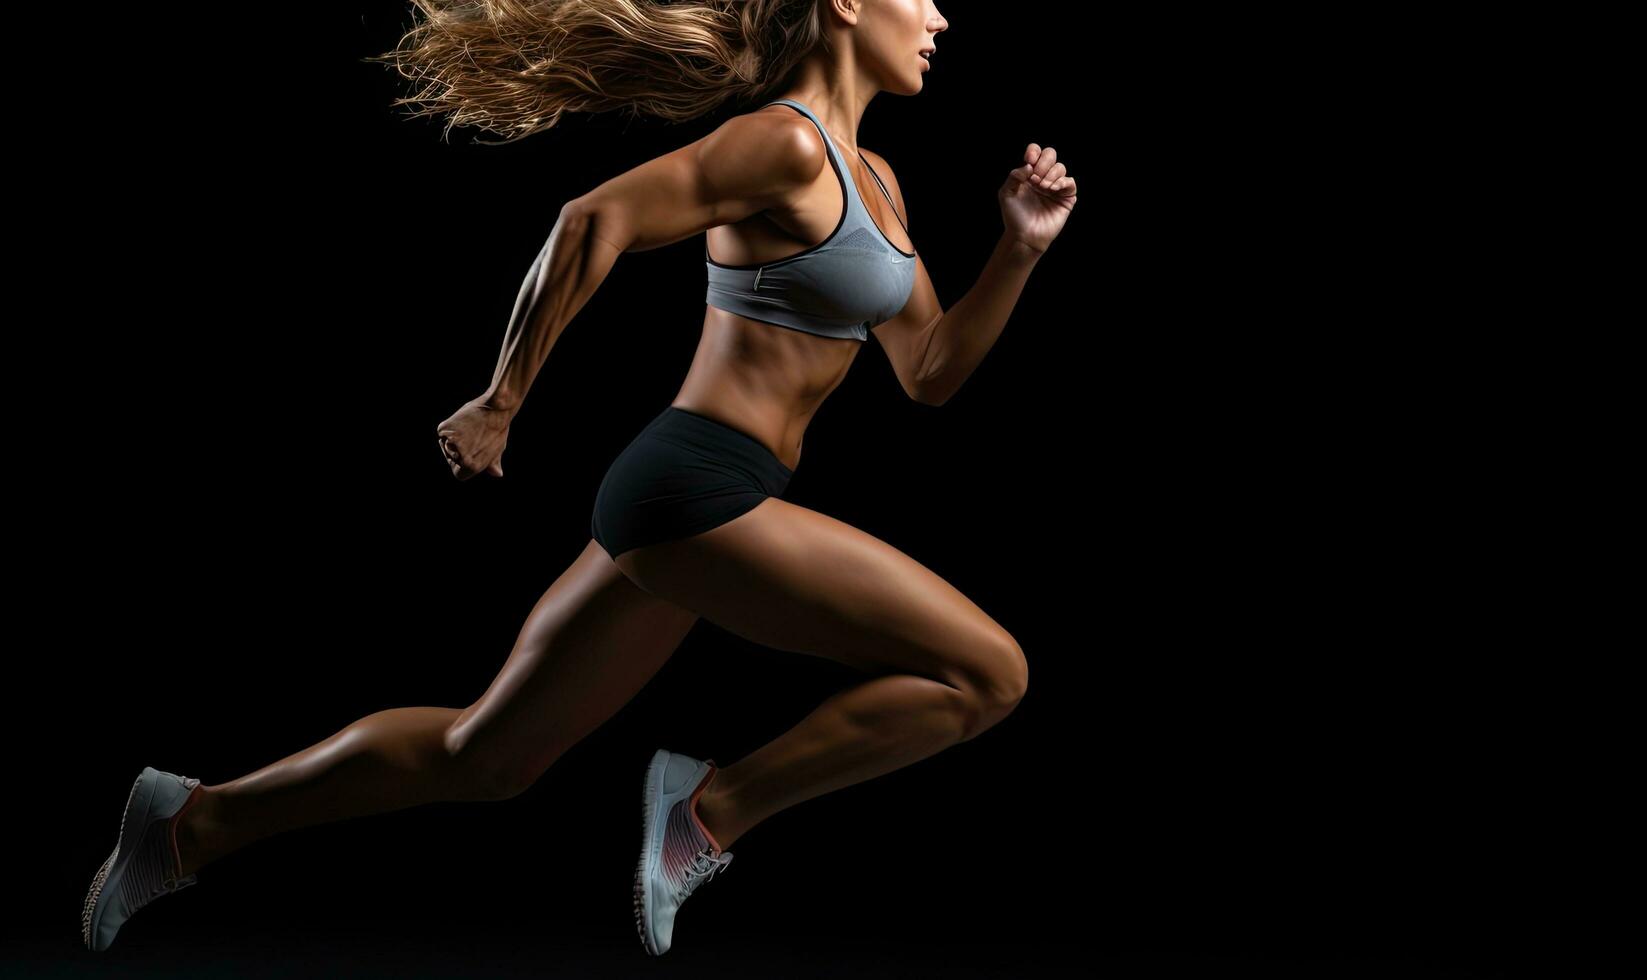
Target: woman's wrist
(501, 400)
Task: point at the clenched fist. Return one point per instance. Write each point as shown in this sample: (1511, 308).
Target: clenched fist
(472, 439)
(1037, 197)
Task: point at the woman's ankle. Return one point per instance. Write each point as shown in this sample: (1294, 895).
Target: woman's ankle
(717, 811)
(196, 832)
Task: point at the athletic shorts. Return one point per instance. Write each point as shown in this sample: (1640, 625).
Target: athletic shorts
(683, 474)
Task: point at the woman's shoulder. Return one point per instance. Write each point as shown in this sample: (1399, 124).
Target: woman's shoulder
(775, 137)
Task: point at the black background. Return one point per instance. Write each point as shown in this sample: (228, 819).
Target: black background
(1203, 478)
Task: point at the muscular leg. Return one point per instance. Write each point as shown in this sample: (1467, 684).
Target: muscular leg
(590, 644)
(791, 578)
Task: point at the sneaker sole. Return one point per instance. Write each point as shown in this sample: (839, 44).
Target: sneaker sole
(102, 877)
(649, 792)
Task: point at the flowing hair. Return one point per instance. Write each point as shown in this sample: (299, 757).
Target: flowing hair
(513, 66)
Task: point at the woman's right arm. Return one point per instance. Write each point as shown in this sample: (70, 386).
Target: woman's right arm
(750, 163)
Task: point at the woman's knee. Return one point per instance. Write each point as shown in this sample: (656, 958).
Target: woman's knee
(996, 683)
(487, 773)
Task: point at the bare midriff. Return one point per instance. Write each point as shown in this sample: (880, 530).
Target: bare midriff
(763, 380)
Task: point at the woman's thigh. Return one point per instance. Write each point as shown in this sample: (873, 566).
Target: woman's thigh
(794, 579)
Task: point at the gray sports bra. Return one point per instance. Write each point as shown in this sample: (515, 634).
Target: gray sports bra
(851, 281)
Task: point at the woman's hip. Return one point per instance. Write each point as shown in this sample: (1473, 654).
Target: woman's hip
(682, 473)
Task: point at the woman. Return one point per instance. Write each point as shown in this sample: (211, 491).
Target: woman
(689, 521)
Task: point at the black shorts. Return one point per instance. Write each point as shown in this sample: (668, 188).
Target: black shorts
(683, 474)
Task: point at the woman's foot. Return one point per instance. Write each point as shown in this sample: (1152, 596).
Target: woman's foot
(677, 852)
(145, 862)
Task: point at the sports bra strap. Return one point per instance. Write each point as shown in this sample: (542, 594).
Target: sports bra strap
(888, 196)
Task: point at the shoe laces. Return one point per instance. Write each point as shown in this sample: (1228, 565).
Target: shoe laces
(704, 866)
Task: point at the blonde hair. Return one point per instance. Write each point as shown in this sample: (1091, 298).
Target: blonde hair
(513, 66)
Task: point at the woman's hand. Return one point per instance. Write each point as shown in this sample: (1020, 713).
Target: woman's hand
(1037, 198)
(472, 440)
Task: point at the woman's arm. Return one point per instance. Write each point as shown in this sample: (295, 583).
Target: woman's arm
(1035, 200)
(568, 269)
(750, 163)
(969, 328)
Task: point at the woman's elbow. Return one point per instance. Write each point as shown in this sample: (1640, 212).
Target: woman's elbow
(927, 395)
(596, 220)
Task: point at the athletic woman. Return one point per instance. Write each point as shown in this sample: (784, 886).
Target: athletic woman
(807, 251)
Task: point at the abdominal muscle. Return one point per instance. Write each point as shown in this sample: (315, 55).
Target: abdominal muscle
(760, 378)
(764, 380)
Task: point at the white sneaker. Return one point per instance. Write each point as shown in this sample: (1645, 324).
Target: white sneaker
(145, 861)
(677, 853)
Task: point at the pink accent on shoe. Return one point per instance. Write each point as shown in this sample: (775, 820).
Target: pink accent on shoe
(694, 808)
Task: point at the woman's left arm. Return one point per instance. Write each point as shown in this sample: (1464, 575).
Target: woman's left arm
(1035, 201)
